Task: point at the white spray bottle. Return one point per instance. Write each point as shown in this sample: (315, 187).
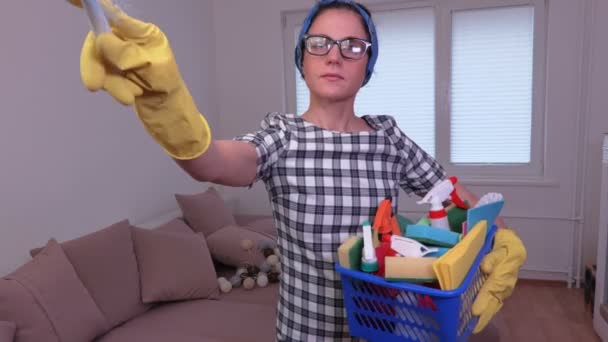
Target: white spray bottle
(369, 261)
(438, 194)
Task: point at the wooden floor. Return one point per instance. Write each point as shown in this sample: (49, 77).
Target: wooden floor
(542, 311)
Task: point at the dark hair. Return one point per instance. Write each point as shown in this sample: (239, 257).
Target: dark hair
(347, 6)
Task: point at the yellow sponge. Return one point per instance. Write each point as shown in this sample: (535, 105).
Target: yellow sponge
(350, 252)
(416, 270)
(452, 267)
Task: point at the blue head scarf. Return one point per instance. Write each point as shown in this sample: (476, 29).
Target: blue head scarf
(371, 28)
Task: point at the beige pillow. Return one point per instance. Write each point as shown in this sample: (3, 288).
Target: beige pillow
(205, 212)
(104, 261)
(7, 331)
(52, 281)
(263, 226)
(225, 245)
(174, 266)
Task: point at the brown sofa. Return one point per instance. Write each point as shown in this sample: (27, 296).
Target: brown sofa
(127, 283)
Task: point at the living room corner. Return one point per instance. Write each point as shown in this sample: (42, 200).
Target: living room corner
(76, 161)
(97, 221)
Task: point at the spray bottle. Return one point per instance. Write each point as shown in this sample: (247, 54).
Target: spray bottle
(369, 261)
(439, 193)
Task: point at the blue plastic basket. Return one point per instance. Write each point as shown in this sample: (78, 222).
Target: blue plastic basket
(379, 310)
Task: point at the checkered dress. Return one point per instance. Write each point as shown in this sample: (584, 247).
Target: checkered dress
(322, 185)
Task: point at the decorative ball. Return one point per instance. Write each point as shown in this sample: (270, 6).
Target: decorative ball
(248, 283)
(276, 268)
(225, 285)
(272, 260)
(262, 280)
(276, 251)
(246, 244)
(265, 267)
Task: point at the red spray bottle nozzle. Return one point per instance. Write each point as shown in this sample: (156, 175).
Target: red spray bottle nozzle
(454, 195)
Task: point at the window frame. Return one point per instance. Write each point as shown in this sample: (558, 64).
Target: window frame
(444, 10)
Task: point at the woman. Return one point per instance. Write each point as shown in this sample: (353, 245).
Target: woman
(325, 171)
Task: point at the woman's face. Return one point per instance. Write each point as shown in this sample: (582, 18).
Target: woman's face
(333, 77)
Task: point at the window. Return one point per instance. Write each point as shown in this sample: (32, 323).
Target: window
(463, 78)
(492, 57)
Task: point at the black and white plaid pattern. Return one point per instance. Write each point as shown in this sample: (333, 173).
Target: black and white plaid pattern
(322, 186)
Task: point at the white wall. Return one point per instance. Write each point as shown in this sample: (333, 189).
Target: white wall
(251, 83)
(597, 111)
(73, 161)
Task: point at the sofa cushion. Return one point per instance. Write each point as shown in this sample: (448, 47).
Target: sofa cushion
(7, 331)
(53, 283)
(174, 266)
(105, 262)
(225, 245)
(205, 212)
(199, 320)
(259, 223)
(18, 305)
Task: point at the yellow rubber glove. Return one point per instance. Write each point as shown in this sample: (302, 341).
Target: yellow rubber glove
(135, 64)
(502, 265)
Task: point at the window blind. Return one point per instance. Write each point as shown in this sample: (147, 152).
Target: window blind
(491, 89)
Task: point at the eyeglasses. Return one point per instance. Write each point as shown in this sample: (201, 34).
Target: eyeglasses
(350, 48)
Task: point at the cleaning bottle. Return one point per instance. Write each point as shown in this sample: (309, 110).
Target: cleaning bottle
(369, 261)
(439, 193)
(385, 221)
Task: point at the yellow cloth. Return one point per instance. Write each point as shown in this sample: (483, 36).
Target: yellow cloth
(135, 64)
(502, 264)
(452, 267)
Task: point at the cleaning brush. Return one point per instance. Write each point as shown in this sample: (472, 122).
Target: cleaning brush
(97, 18)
